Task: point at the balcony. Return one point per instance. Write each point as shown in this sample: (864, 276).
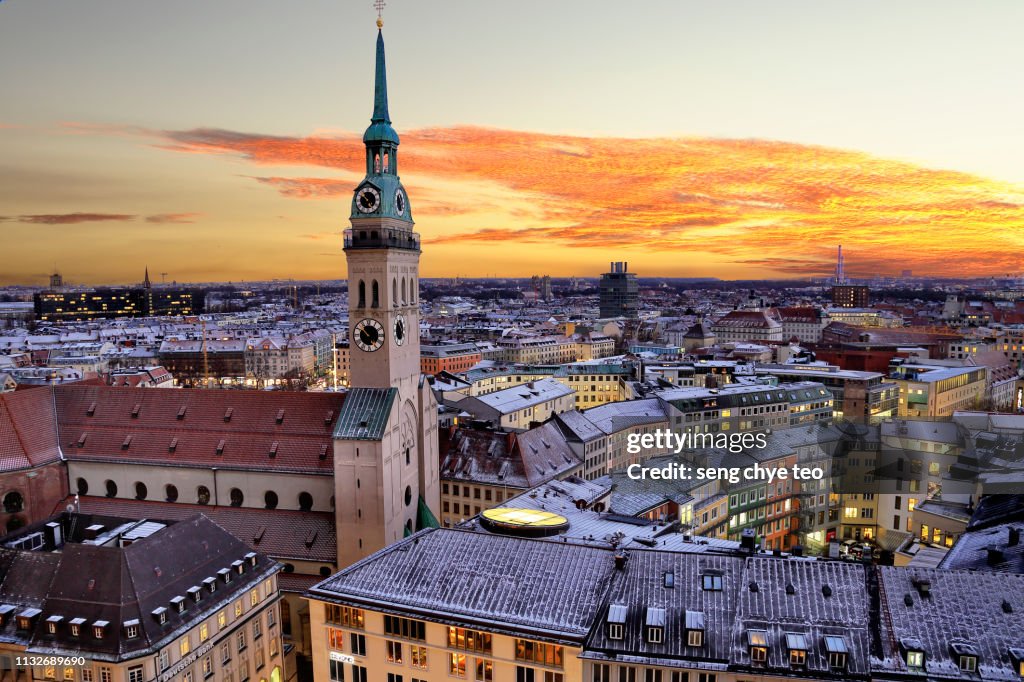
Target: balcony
(381, 238)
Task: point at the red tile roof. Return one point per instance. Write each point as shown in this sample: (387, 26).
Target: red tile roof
(280, 533)
(196, 427)
(28, 436)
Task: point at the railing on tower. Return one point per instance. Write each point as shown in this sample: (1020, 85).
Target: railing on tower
(381, 238)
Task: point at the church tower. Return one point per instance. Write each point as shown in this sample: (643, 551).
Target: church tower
(383, 256)
(385, 456)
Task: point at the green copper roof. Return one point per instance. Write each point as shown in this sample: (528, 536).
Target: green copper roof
(380, 129)
(364, 414)
(424, 517)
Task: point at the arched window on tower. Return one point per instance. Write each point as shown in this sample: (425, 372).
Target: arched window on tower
(14, 502)
(394, 290)
(404, 299)
(387, 163)
(362, 294)
(376, 163)
(375, 302)
(412, 290)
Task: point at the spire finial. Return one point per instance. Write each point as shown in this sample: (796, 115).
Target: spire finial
(379, 6)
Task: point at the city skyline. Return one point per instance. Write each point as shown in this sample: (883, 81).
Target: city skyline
(116, 163)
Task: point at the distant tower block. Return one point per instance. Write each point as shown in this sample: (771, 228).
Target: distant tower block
(619, 292)
(56, 281)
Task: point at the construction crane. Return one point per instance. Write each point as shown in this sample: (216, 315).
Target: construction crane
(163, 278)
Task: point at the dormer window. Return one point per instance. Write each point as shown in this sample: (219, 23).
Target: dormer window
(178, 604)
(712, 582)
(757, 640)
(837, 652)
(53, 623)
(99, 629)
(27, 619)
(239, 566)
(195, 593)
(5, 614)
(211, 584)
(655, 625)
(694, 628)
(160, 614)
(251, 558)
(913, 653)
(965, 655)
(131, 629)
(617, 621)
(796, 643)
(1017, 656)
(225, 575)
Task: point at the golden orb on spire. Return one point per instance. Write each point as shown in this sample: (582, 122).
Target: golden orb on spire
(380, 23)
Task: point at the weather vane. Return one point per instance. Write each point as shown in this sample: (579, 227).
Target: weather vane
(379, 6)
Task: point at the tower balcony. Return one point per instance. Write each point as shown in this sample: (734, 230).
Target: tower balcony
(381, 238)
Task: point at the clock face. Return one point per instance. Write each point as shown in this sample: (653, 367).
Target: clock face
(400, 202)
(368, 200)
(400, 330)
(369, 335)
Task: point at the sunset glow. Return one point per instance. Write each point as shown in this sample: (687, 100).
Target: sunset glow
(674, 207)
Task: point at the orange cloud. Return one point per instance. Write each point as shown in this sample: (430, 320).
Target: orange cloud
(773, 207)
(175, 218)
(73, 218)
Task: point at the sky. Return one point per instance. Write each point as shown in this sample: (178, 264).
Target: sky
(220, 141)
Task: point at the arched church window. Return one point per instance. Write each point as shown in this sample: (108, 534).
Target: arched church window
(305, 501)
(111, 488)
(140, 491)
(237, 497)
(375, 303)
(83, 486)
(172, 493)
(404, 299)
(387, 163)
(362, 294)
(376, 163)
(203, 495)
(270, 499)
(13, 502)
(394, 290)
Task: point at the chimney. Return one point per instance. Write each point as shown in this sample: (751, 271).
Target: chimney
(747, 538)
(620, 562)
(797, 550)
(1014, 538)
(510, 441)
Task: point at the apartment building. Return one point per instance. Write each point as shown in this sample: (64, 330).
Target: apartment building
(449, 603)
(865, 397)
(518, 408)
(928, 391)
(103, 599)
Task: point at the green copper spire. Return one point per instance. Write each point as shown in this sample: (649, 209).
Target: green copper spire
(380, 85)
(380, 194)
(380, 129)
